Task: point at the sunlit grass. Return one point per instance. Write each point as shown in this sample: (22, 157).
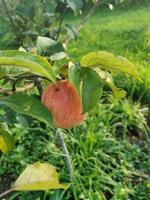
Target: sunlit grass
(123, 32)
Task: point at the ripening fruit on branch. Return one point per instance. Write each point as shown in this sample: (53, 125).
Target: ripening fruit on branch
(64, 102)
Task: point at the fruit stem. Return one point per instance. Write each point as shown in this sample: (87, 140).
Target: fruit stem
(61, 143)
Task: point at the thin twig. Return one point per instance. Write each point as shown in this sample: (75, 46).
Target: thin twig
(24, 76)
(16, 79)
(8, 92)
(60, 22)
(61, 143)
(38, 85)
(6, 192)
(12, 23)
(90, 13)
(86, 18)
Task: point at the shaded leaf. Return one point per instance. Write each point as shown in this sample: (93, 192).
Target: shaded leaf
(43, 43)
(110, 62)
(91, 89)
(75, 5)
(39, 176)
(106, 77)
(6, 141)
(74, 74)
(28, 105)
(47, 46)
(49, 7)
(56, 48)
(33, 63)
(64, 70)
(26, 9)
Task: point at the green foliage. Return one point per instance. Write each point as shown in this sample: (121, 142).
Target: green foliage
(74, 74)
(28, 105)
(46, 46)
(88, 83)
(34, 63)
(108, 61)
(109, 152)
(75, 5)
(92, 83)
(31, 19)
(121, 33)
(91, 89)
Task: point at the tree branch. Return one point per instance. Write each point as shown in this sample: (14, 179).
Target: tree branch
(6, 192)
(8, 92)
(24, 76)
(15, 79)
(60, 22)
(12, 23)
(38, 85)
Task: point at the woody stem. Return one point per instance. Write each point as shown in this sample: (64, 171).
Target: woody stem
(61, 143)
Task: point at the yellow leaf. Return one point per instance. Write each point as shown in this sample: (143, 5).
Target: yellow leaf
(3, 145)
(39, 176)
(6, 141)
(110, 62)
(117, 92)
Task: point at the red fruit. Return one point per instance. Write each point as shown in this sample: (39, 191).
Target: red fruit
(64, 103)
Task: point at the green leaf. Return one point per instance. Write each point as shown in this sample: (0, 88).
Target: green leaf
(43, 43)
(47, 46)
(6, 141)
(117, 92)
(58, 56)
(74, 74)
(28, 105)
(110, 62)
(7, 70)
(91, 89)
(33, 63)
(75, 5)
(49, 7)
(39, 176)
(72, 32)
(26, 9)
(106, 77)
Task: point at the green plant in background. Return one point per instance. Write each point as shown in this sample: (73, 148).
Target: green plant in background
(28, 20)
